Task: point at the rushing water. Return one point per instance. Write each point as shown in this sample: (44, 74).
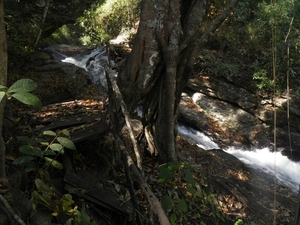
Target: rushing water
(287, 171)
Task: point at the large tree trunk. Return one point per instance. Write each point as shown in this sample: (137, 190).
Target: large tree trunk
(3, 78)
(160, 65)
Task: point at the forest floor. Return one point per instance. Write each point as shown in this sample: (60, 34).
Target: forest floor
(228, 189)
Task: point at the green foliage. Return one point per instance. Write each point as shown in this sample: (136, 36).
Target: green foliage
(102, 22)
(20, 91)
(239, 222)
(37, 151)
(185, 203)
(48, 198)
(218, 67)
(264, 82)
(245, 39)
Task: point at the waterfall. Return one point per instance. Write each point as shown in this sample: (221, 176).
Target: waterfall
(259, 159)
(287, 171)
(91, 62)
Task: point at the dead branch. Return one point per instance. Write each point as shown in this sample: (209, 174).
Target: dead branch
(116, 90)
(11, 211)
(153, 201)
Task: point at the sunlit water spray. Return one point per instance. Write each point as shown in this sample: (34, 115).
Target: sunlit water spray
(287, 172)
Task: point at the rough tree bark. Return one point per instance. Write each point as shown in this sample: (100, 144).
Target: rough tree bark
(3, 78)
(161, 63)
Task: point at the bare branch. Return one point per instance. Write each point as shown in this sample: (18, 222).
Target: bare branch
(11, 211)
(111, 76)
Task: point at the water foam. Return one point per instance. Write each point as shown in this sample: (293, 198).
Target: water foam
(287, 172)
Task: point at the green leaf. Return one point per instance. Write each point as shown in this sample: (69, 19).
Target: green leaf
(164, 172)
(66, 132)
(22, 160)
(57, 148)
(28, 99)
(85, 218)
(190, 189)
(49, 133)
(66, 142)
(239, 222)
(173, 218)
(38, 198)
(29, 169)
(166, 202)
(3, 88)
(42, 141)
(172, 166)
(23, 85)
(30, 150)
(48, 152)
(54, 163)
(44, 188)
(2, 94)
(181, 205)
(25, 139)
(189, 178)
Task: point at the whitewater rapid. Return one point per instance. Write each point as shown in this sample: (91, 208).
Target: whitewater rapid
(287, 172)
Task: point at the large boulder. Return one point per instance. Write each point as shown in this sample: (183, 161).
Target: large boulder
(234, 115)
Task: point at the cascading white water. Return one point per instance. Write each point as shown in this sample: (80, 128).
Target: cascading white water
(91, 62)
(287, 172)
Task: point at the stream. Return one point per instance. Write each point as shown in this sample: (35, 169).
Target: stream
(287, 171)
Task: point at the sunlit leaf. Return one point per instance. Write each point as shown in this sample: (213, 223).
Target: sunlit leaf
(53, 163)
(57, 148)
(23, 85)
(28, 99)
(42, 141)
(49, 133)
(66, 132)
(2, 94)
(173, 218)
(66, 142)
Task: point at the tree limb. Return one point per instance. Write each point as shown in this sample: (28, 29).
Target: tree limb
(111, 76)
(153, 201)
(11, 211)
